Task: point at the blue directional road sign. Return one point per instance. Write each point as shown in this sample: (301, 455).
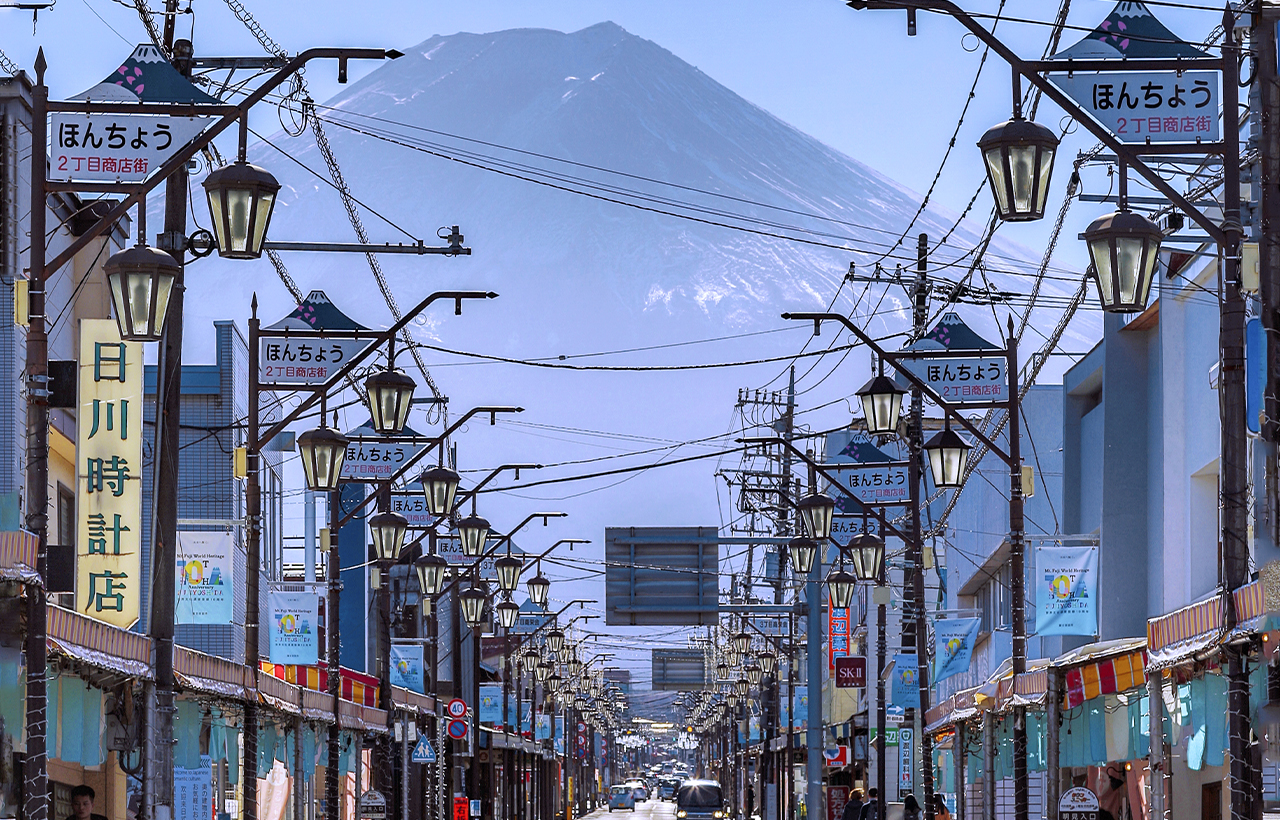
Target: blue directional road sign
(423, 752)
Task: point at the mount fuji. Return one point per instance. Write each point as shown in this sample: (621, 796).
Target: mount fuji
(617, 198)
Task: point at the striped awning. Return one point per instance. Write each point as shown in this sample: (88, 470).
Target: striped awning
(1180, 635)
(356, 686)
(18, 551)
(98, 644)
(1106, 676)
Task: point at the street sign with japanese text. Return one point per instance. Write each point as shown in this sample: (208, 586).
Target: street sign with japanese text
(978, 380)
(449, 547)
(109, 434)
(412, 504)
(872, 484)
(1149, 106)
(1078, 804)
(837, 635)
(906, 759)
(373, 806)
(115, 147)
(374, 457)
(304, 359)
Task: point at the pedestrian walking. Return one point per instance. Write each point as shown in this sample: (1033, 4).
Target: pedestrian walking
(910, 808)
(853, 809)
(869, 808)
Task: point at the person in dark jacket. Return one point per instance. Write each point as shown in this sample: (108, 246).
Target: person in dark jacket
(869, 808)
(853, 808)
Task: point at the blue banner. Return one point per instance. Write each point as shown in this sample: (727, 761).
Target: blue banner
(407, 668)
(542, 729)
(906, 682)
(1066, 591)
(491, 703)
(953, 641)
(293, 627)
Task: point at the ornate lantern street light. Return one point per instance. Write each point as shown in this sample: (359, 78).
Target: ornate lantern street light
(508, 570)
(947, 452)
(555, 641)
(323, 450)
(542, 671)
(722, 671)
(740, 686)
(390, 393)
(388, 529)
(140, 279)
(472, 532)
(431, 570)
(803, 551)
(539, 590)
(816, 510)
(768, 662)
(867, 552)
(754, 674)
(241, 197)
(508, 612)
(742, 643)
(472, 600)
(842, 585)
(440, 485)
(530, 661)
(1019, 155)
(1123, 248)
(881, 404)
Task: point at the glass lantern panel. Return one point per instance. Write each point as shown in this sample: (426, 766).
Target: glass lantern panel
(1148, 273)
(996, 175)
(1129, 266)
(215, 213)
(1100, 253)
(239, 204)
(1042, 184)
(138, 289)
(1022, 173)
(261, 217)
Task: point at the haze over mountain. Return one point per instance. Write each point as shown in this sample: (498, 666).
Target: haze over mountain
(469, 121)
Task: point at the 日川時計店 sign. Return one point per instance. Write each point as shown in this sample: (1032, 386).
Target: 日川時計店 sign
(109, 577)
(115, 147)
(1155, 106)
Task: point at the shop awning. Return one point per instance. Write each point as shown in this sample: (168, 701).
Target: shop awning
(98, 644)
(18, 551)
(1181, 635)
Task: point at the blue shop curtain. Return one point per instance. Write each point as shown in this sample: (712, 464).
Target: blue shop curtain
(187, 721)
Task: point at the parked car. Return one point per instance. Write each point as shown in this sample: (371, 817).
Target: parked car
(622, 797)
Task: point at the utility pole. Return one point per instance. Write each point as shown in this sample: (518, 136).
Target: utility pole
(164, 531)
(1264, 103)
(915, 627)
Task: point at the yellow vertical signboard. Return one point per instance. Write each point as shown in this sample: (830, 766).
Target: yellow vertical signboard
(109, 475)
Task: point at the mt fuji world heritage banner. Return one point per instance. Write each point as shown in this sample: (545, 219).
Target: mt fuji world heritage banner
(293, 627)
(1066, 581)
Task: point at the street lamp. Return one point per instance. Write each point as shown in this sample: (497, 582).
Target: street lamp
(241, 197)
(768, 662)
(948, 452)
(553, 684)
(842, 585)
(867, 552)
(472, 532)
(1018, 155)
(440, 485)
(530, 661)
(431, 570)
(1123, 248)
(754, 674)
(508, 570)
(539, 590)
(323, 450)
(722, 671)
(541, 672)
(472, 600)
(881, 403)
(388, 529)
(555, 641)
(508, 612)
(141, 279)
(389, 392)
(802, 551)
(742, 643)
(740, 686)
(816, 511)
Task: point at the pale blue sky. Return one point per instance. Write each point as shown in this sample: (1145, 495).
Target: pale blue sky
(853, 79)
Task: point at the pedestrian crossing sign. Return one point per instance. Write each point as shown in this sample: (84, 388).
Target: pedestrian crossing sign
(423, 753)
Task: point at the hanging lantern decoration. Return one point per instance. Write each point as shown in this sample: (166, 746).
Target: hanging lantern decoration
(948, 453)
(439, 485)
(1124, 248)
(389, 394)
(323, 451)
(817, 510)
(1018, 155)
(241, 197)
(140, 279)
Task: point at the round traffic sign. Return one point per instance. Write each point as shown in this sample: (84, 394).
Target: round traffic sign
(457, 729)
(457, 708)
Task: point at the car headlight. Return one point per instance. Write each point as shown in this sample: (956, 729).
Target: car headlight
(719, 814)
(682, 813)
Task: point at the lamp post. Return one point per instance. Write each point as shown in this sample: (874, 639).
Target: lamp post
(1123, 250)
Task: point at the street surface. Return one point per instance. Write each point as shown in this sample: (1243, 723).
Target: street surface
(645, 810)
